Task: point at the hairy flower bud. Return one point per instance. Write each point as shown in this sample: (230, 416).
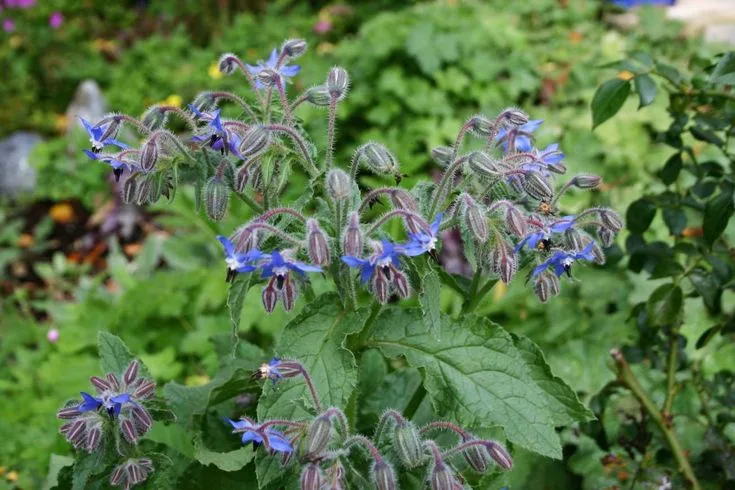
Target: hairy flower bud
(400, 283)
(611, 220)
(216, 198)
(442, 155)
(131, 372)
(335, 477)
(515, 221)
(145, 389)
(131, 472)
(381, 287)
(587, 181)
(514, 116)
(319, 96)
(477, 457)
(99, 383)
(339, 184)
(316, 243)
(227, 64)
(255, 140)
(268, 77)
(377, 158)
(294, 47)
(474, 218)
(481, 126)
(503, 261)
(597, 253)
(129, 190)
(574, 239)
(113, 381)
(318, 436)
(245, 239)
(241, 178)
(500, 455)
(607, 237)
(338, 81)
(154, 118)
(482, 164)
(311, 477)
(407, 443)
(541, 288)
(128, 430)
(270, 296)
(535, 185)
(442, 477)
(553, 283)
(383, 476)
(353, 239)
(149, 155)
(402, 199)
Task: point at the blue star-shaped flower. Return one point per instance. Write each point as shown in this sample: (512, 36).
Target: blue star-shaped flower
(559, 226)
(95, 137)
(270, 370)
(277, 440)
(238, 262)
(546, 158)
(562, 261)
(286, 71)
(218, 137)
(422, 241)
(118, 166)
(277, 266)
(387, 257)
(112, 404)
(522, 139)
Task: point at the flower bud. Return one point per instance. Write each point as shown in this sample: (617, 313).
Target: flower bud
(131, 372)
(554, 286)
(402, 199)
(270, 296)
(227, 64)
(94, 437)
(535, 185)
(149, 155)
(68, 413)
(381, 287)
(338, 81)
(316, 243)
(400, 282)
(117, 475)
(100, 383)
(111, 128)
(216, 198)
(145, 389)
(477, 457)
(339, 184)
(129, 190)
(154, 118)
(482, 164)
(474, 218)
(598, 254)
(383, 476)
(541, 288)
(574, 239)
(311, 477)
(268, 77)
(142, 418)
(442, 155)
(606, 236)
(481, 126)
(353, 239)
(377, 158)
(503, 262)
(319, 96)
(500, 455)
(241, 178)
(294, 47)
(514, 221)
(255, 140)
(335, 477)
(587, 181)
(128, 430)
(442, 477)
(318, 436)
(245, 239)
(611, 220)
(514, 116)
(407, 443)
(113, 381)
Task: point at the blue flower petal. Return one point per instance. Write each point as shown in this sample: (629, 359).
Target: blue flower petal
(290, 70)
(227, 244)
(278, 442)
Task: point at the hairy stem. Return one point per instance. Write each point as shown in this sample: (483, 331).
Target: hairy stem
(442, 190)
(236, 99)
(398, 212)
(276, 231)
(284, 101)
(310, 167)
(331, 129)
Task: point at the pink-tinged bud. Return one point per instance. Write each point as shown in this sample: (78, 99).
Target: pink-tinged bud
(353, 240)
(339, 184)
(606, 236)
(100, 384)
(316, 243)
(587, 181)
(574, 239)
(535, 185)
(554, 286)
(383, 476)
(245, 240)
(94, 436)
(128, 430)
(134, 472)
(335, 477)
(319, 96)
(558, 168)
(255, 140)
(515, 221)
(216, 198)
(111, 128)
(481, 126)
(241, 178)
(117, 475)
(268, 77)
(442, 155)
(76, 433)
(130, 190)
(477, 457)
(377, 158)
(442, 478)
(131, 372)
(149, 155)
(146, 463)
(270, 295)
(611, 220)
(338, 82)
(68, 413)
(407, 443)
(289, 294)
(402, 199)
(541, 288)
(113, 381)
(227, 64)
(145, 389)
(400, 283)
(311, 477)
(318, 437)
(474, 218)
(514, 116)
(500, 455)
(294, 48)
(482, 164)
(380, 286)
(597, 252)
(154, 118)
(142, 417)
(503, 261)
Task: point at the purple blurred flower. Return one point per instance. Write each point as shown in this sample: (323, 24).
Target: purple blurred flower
(53, 335)
(322, 26)
(8, 25)
(627, 4)
(56, 20)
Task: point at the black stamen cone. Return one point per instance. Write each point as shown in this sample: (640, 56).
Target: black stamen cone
(117, 172)
(386, 271)
(279, 281)
(231, 273)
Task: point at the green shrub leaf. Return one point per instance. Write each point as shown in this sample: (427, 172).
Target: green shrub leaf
(646, 88)
(608, 100)
(717, 214)
(664, 305)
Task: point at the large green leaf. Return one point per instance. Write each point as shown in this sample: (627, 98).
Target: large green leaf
(115, 355)
(608, 100)
(646, 88)
(229, 461)
(315, 338)
(430, 299)
(56, 464)
(717, 213)
(477, 376)
(724, 72)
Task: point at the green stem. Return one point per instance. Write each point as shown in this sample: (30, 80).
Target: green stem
(474, 298)
(250, 202)
(628, 379)
(415, 402)
(670, 377)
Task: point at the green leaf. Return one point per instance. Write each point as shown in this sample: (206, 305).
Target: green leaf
(724, 72)
(56, 464)
(670, 73)
(708, 288)
(430, 299)
(640, 214)
(664, 305)
(708, 335)
(476, 376)
(236, 298)
(671, 170)
(315, 338)
(706, 135)
(675, 219)
(646, 88)
(717, 214)
(174, 436)
(85, 467)
(115, 355)
(229, 461)
(608, 100)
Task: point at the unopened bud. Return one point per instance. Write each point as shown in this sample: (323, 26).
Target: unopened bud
(407, 443)
(338, 81)
(241, 178)
(335, 477)
(381, 287)
(515, 221)
(311, 477)
(503, 261)
(402, 199)
(117, 475)
(129, 190)
(477, 457)
(383, 476)
(514, 116)
(94, 437)
(535, 185)
(128, 430)
(68, 413)
(442, 477)
(481, 126)
(142, 418)
(294, 47)
(442, 155)
(482, 164)
(541, 288)
(255, 140)
(553, 283)
(131, 372)
(353, 239)
(587, 181)
(400, 282)
(245, 239)
(145, 389)
(500, 455)
(377, 158)
(316, 243)
(216, 198)
(318, 436)
(474, 218)
(270, 295)
(557, 168)
(574, 239)
(611, 220)
(111, 128)
(100, 384)
(149, 155)
(154, 118)
(319, 96)
(113, 381)
(227, 63)
(339, 184)
(597, 253)
(607, 237)
(268, 77)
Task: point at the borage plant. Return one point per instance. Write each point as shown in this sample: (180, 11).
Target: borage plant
(383, 282)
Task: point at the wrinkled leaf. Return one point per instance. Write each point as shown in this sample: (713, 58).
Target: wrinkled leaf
(115, 355)
(430, 299)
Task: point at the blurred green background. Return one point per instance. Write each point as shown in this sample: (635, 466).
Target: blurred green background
(74, 260)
